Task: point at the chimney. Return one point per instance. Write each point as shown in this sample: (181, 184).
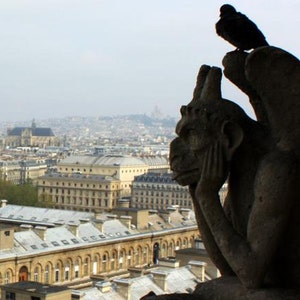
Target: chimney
(166, 215)
(124, 202)
(97, 213)
(41, 231)
(103, 286)
(124, 287)
(6, 237)
(77, 295)
(198, 269)
(25, 227)
(126, 220)
(185, 213)
(73, 228)
(99, 225)
(168, 262)
(3, 203)
(160, 278)
(112, 217)
(84, 220)
(136, 272)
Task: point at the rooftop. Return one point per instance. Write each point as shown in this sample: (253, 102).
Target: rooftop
(33, 286)
(156, 178)
(106, 160)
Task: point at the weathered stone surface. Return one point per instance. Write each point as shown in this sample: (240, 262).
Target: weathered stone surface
(229, 288)
(254, 238)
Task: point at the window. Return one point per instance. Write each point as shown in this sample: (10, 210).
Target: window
(46, 274)
(85, 267)
(10, 296)
(76, 269)
(57, 275)
(7, 278)
(36, 274)
(67, 272)
(35, 298)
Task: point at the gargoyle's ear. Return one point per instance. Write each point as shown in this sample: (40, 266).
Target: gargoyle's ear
(233, 136)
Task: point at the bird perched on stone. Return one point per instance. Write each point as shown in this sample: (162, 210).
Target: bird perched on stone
(238, 29)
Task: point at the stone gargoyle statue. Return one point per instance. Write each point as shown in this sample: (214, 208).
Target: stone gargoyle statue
(254, 238)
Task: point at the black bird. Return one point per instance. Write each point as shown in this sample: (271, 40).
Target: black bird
(238, 30)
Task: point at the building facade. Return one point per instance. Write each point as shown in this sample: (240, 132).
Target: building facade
(20, 171)
(30, 137)
(159, 191)
(121, 167)
(65, 247)
(79, 191)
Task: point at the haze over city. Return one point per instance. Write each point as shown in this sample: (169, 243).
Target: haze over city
(69, 57)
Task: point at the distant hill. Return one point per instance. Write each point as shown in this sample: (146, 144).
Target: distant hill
(119, 125)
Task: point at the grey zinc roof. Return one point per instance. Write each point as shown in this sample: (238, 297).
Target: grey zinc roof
(79, 159)
(107, 160)
(94, 293)
(42, 215)
(111, 229)
(141, 286)
(155, 160)
(181, 280)
(89, 233)
(79, 177)
(119, 160)
(115, 227)
(28, 240)
(60, 236)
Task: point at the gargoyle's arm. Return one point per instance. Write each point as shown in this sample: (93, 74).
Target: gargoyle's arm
(208, 239)
(250, 256)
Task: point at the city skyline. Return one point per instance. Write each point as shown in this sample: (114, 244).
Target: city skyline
(101, 58)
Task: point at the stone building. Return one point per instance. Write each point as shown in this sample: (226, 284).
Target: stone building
(79, 191)
(30, 290)
(159, 191)
(20, 171)
(64, 247)
(30, 137)
(121, 167)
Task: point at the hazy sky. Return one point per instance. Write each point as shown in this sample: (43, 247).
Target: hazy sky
(86, 57)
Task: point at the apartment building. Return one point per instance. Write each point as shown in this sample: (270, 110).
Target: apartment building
(159, 191)
(121, 167)
(64, 247)
(85, 192)
(20, 171)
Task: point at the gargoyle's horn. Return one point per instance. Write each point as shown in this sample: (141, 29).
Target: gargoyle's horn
(203, 71)
(211, 91)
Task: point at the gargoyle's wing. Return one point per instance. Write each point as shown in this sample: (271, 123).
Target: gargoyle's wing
(275, 76)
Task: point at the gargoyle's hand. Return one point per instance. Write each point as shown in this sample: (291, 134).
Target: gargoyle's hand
(214, 171)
